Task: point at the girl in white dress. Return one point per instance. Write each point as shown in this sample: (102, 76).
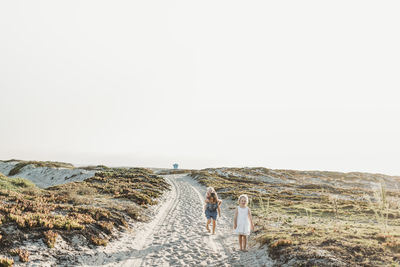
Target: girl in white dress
(243, 222)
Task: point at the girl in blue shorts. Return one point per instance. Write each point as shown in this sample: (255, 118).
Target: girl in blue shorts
(212, 209)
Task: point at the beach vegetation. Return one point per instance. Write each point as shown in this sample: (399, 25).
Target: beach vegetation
(50, 164)
(21, 253)
(6, 262)
(317, 218)
(92, 208)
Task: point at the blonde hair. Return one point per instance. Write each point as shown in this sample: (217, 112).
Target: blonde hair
(211, 190)
(245, 197)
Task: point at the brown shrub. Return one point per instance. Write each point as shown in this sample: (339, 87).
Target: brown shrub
(22, 253)
(106, 226)
(393, 246)
(89, 208)
(98, 241)
(50, 238)
(382, 237)
(86, 191)
(136, 214)
(281, 243)
(5, 262)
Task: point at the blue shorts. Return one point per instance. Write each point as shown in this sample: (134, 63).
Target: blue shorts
(211, 214)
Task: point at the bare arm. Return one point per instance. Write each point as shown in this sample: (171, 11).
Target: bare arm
(235, 219)
(219, 201)
(251, 221)
(219, 211)
(205, 203)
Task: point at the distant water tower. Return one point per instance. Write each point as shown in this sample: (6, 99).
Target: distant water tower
(175, 165)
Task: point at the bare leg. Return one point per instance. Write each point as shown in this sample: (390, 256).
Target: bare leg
(240, 242)
(214, 224)
(244, 240)
(208, 222)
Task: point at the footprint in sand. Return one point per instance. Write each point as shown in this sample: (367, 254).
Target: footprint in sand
(177, 235)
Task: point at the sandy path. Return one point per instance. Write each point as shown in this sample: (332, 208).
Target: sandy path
(181, 239)
(177, 236)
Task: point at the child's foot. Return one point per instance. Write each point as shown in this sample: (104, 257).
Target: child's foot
(213, 233)
(245, 250)
(208, 228)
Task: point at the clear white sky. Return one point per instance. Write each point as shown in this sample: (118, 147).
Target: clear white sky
(279, 84)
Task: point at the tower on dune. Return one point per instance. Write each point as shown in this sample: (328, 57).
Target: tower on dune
(175, 165)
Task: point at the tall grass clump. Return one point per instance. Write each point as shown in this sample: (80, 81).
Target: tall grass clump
(15, 184)
(380, 206)
(334, 201)
(264, 207)
(51, 164)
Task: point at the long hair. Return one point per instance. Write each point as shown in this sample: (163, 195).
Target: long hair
(214, 197)
(211, 190)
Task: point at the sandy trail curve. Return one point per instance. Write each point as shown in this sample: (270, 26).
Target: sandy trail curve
(177, 236)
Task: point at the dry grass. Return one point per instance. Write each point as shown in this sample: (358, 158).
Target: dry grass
(92, 208)
(50, 164)
(281, 243)
(50, 238)
(317, 218)
(16, 184)
(175, 171)
(21, 253)
(5, 262)
(98, 241)
(393, 245)
(95, 168)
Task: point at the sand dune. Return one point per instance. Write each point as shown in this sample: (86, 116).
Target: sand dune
(46, 176)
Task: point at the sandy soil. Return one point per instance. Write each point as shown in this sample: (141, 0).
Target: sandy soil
(45, 177)
(175, 237)
(178, 236)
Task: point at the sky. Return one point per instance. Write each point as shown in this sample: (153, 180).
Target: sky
(308, 85)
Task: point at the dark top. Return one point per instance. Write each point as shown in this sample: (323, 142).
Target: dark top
(212, 206)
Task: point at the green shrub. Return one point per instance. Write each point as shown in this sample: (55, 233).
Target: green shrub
(51, 164)
(14, 184)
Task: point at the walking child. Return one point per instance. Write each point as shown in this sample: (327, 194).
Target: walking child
(209, 191)
(243, 222)
(212, 209)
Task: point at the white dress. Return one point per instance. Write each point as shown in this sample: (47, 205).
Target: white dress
(243, 223)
